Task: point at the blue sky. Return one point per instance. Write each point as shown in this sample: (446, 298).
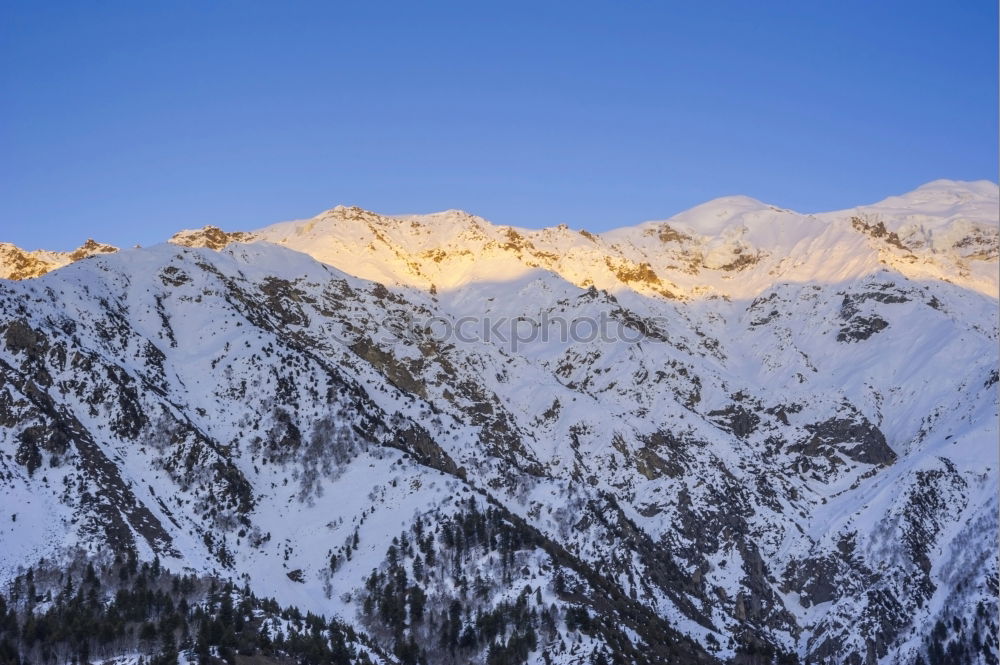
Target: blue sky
(129, 120)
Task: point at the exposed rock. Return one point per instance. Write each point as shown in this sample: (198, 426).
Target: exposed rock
(736, 419)
(860, 328)
(855, 438)
(211, 237)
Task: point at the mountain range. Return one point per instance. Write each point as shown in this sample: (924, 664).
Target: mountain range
(741, 434)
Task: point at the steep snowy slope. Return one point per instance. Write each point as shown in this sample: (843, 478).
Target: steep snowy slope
(781, 445)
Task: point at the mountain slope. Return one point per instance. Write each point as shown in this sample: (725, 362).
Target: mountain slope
(783, 442)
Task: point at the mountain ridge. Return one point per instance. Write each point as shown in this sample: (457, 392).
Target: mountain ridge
(750, 468)
(969, 213)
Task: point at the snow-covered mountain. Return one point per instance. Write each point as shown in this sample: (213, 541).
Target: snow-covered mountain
(740, 434)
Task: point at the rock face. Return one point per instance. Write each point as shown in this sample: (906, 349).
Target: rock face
(739, 466)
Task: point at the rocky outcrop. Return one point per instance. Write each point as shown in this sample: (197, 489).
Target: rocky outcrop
(211, 237)
(16, 263)
(854, 438)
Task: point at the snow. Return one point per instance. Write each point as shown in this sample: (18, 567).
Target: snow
(759, 333)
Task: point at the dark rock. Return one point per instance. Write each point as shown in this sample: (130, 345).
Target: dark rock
(856, 438)
(736, 419)
(861, 328)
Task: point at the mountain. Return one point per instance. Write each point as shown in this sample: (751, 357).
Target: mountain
(742, 434)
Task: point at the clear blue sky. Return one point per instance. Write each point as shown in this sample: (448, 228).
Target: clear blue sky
(129, 120)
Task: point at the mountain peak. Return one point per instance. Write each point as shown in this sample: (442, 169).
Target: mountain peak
(90, 248)
(209, 236)
(979, 187)
(17, 263)
(713, 217)
(977, 198)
